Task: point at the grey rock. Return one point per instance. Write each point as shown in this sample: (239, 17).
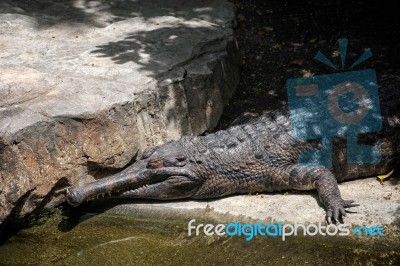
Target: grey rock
(87, 85)
(379, 205)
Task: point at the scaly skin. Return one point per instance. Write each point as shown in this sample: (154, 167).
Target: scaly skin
(258, 154)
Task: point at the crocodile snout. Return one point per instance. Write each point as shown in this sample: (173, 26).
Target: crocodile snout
(73, 197)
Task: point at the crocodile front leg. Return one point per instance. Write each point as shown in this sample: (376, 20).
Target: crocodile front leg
(330, 197)
(302, 177)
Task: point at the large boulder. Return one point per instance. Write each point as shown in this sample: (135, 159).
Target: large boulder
(86, 85)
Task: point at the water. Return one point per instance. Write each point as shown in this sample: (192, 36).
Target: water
(110, 239)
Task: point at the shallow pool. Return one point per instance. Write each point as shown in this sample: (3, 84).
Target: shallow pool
(110, 239)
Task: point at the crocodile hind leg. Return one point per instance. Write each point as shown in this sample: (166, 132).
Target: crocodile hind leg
(301, 177)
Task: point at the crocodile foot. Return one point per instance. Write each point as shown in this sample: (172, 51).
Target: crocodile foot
(337, 208)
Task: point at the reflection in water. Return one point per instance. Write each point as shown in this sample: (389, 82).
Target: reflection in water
(105, 239)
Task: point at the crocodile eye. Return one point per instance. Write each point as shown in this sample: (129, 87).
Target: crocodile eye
(154, 163)
(180, 164)
(181, 158)
(175, 161)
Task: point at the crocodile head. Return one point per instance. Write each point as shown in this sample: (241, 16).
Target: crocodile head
(163, 173)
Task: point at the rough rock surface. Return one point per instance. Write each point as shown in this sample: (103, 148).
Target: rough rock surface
(379, 205)
(87, 85)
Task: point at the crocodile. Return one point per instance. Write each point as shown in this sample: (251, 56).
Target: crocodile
(256, 154)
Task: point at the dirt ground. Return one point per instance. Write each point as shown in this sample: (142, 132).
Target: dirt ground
(279, 39)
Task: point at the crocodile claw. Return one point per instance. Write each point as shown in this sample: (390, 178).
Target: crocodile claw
(337, 210)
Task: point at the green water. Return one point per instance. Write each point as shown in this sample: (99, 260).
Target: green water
(109, 239)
